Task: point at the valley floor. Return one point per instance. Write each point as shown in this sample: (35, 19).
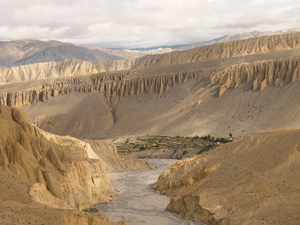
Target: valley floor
(137, 202)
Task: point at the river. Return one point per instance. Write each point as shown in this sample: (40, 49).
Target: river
(136, 202)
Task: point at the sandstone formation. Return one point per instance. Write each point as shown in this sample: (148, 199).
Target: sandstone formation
(58, 174)
(122, 84)
(252, 181)
(188, 108)
(267, 71)
(113, 163)
(101, 150)
(79, 181)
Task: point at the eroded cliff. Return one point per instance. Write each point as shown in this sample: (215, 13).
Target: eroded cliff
(191, 83)
(121, 84)
(73, 178)
(54, 174)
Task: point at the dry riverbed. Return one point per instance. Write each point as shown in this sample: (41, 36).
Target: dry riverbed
(137, 202)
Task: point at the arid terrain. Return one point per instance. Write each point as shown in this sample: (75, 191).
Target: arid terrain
(60, 121)
(252, 181)
(236, 87)
(58, 172)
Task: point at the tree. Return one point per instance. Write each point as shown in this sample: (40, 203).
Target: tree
(208, 137)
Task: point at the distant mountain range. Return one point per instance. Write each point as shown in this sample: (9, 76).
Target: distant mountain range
(23, 52)
(235, 37)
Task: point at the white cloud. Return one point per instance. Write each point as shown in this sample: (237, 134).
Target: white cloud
(142, 23)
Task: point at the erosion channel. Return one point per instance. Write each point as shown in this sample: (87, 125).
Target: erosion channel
(137, 202)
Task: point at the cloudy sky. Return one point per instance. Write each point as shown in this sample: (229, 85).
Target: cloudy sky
(142, 23)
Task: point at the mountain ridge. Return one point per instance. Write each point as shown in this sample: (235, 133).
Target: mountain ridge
(286, 45)
(29, 51)
(234, 37)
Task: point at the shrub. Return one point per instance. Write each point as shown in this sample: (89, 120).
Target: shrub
(185, 152)
(142, 148)
(91, 210)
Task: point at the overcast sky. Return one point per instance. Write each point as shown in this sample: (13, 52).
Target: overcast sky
(142, 23)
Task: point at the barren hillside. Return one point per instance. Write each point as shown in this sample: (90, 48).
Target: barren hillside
(252, 181)
(236, 87)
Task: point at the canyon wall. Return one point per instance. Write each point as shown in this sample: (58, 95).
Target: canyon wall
(125, 83)
(69, 171)
(68, 174)
(63, 174)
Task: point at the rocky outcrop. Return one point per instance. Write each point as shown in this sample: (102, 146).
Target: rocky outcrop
(101, 150)
(189, 207)
(178, 179)
(40, 193)
(118, 85)
(251, 181)
(59, 175)
(261, 74)
(183, 173)
(113, 163)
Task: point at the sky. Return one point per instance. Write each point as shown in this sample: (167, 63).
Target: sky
(141, 23)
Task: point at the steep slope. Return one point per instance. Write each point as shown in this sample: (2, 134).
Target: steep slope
(27, 153)
(189, 108)
(252, 181)
(58, 172)
(194, 102)
(17, 207)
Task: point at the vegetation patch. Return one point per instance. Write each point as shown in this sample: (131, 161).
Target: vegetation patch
(91, 210)
(203, 143)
